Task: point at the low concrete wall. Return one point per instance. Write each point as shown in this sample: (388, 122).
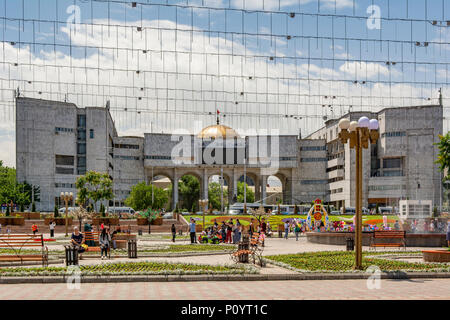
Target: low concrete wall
(412, 239)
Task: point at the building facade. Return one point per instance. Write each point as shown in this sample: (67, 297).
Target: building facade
(57, 141)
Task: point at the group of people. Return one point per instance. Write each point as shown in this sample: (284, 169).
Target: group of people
(228, 232)
(293, 226)
(105, 239)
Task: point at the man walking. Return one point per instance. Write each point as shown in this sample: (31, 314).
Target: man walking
(192, 231)
(286, 230)
(52, 229)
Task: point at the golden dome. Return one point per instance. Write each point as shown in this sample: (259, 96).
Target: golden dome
(218, 131)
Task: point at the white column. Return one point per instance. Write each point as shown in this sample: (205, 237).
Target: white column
(175, 189)
(263, 189)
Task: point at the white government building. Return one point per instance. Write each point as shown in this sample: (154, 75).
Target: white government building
(57, 141)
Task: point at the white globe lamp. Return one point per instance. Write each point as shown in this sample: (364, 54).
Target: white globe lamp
(373, 124)
(353, 126)
(363, 122)
(344, 124)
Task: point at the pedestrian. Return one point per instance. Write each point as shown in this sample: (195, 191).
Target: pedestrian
(113, 239)
(263, 230)
(228, 236)
(233, 232)
(192, 231)
(174, 232)
(250, 228)
(239, 233)
(8, 230)
(77, 241)
(448, 233)
(52, 228)
(297, 231)
(104, 239)
(34, 228)
(223, 231)
(286, 230)
(0, 228)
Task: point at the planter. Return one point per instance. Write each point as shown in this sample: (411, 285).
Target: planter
(157, 222)
(59, 221)
(12, 221)
(436, 255)
(142, 221)
(198, 228)
(29, 215)
(106, 221)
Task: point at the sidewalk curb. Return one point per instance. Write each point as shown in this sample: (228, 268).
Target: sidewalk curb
(260, 277)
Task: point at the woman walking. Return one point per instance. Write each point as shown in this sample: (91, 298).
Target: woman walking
(104, 241)
(297, 231)
(174, 232)
(52, 229)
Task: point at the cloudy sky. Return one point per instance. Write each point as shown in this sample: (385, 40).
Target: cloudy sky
(279, 65)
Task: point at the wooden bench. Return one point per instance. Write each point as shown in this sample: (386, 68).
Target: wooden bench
(16, 242)
(255, 250)
(400, 235)
(93, 236)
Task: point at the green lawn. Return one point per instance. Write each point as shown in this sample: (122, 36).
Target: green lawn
(344, 261)
(127, 268)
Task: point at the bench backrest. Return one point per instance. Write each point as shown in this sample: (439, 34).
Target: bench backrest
(21, 240)
(255, 239)
(389, 234)
(91, 236)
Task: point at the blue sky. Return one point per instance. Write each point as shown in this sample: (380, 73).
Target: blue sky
(315, 57)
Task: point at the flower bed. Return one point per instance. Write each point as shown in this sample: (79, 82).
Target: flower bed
(191, 248)
(131, 268)
(59, 221)
(338, 261)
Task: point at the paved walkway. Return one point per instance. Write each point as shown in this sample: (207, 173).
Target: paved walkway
(237, 290)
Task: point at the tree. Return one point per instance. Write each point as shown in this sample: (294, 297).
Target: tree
(94, 186)
(102, 209)
(33, 207)
(214, 196)
(250, 195)
(56, 212)
(141, 197)
(189, 191)
(444, 154)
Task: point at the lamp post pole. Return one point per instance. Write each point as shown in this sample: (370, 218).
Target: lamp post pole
(66, 197)
(359, 134)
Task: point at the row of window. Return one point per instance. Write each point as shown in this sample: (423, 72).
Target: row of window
(126, 157)
(386, 173)
(158, 157)
(60, 170)
(314, 181)
(64, 160)
(393, 134)
(386, 188)
(65, 185)
(313, 159)
(127, 146)
(288, 158)
(313, 148)
(58, 130)
(340, 190)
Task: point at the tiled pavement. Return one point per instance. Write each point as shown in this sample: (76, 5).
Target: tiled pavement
(245, 290)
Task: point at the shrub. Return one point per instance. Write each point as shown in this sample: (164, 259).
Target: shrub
(56, 212)
(102, 210)
(7, 211)
(33, 207)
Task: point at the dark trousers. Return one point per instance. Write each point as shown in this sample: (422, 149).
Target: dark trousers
(173, 236)
(193, 237)
(52, 233)
(104, 249)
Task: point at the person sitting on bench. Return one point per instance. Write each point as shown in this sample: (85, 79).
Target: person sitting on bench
(77, 240)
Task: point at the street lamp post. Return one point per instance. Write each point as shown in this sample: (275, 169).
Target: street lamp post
(359, 133)
(66, 197)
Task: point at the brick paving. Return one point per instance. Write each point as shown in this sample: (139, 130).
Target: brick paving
(236, 290)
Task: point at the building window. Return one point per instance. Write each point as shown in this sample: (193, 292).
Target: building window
(393, 134)
(81, 121)
(313, 148)
(313, 159)
(91, 133)
(392, 163)
(58, 130)
(64, 160)
(60, 170)
(288, 158)
(126, 157)
(158, 157)
(127, 146)
(81, 148)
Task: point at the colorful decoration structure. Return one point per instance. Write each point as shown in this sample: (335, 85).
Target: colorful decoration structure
(317, 212)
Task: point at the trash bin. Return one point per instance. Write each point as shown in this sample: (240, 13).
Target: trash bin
(71, 256)
(140, 232)
(132, 249)
(350, 244)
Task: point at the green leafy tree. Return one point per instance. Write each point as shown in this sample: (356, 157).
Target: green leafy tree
(141, 197)
(214, 196)
(250, 195)
(444, 154)
(94, 186)
(189, 191)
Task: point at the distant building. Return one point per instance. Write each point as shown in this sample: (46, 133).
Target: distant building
(57, 141)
